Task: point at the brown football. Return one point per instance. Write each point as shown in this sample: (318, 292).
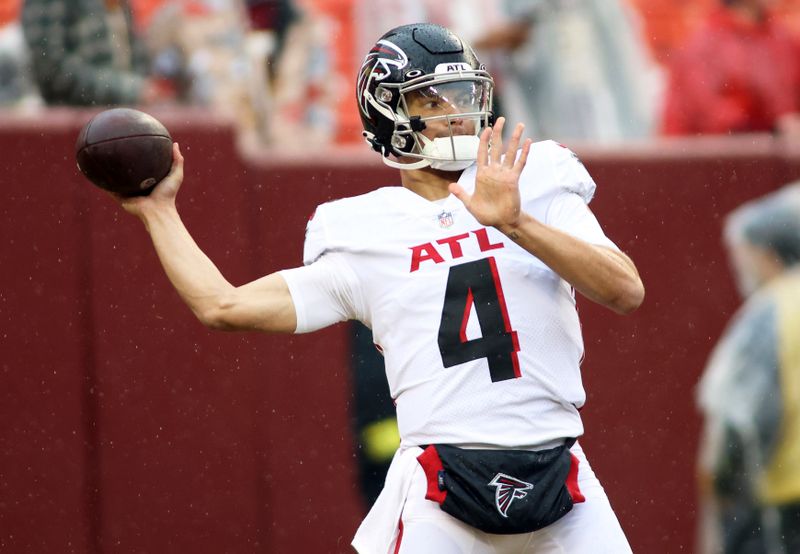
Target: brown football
(125, 151)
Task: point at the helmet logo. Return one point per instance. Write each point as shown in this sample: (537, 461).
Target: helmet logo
(377, 66)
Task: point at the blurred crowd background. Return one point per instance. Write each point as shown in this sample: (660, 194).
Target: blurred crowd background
(603, 71)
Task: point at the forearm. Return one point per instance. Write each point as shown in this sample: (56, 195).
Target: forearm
(197, 280)
(601, 274)
(262, 305)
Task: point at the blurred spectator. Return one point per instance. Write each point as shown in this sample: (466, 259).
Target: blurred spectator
(264, 63)
(16, 84)
(217, 53)
(750, 390)
(308, 85)
(573, 69)
(270, 21)
(85, 52)
(739, 73)
(199, 46)
(273, 17)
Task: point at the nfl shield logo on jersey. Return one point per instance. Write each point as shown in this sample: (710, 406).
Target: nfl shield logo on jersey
(508, 488)
(445, 219)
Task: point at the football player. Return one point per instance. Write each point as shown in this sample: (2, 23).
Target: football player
(466, 275)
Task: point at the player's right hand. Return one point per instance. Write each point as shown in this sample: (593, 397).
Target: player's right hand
(163, 194)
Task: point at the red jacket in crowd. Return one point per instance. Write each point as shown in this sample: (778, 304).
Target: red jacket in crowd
(733, 76)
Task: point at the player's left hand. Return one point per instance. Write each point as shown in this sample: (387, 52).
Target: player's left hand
(495, 200)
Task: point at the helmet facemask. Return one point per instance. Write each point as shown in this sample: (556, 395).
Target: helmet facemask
(457, 107)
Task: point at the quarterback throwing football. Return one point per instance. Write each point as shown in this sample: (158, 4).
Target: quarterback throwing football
(466, 275)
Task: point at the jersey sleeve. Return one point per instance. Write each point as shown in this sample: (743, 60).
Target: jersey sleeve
(569, 213)
(316, 242)
(326, 290)
(550, 170)
(570, 173)
(561, 186)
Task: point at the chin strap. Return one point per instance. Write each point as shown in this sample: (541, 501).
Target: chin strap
(398, 165)
(384, 151)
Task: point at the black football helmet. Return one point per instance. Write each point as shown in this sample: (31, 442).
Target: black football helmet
(431, 62)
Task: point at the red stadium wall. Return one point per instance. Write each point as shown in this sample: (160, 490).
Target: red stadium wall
(128, 427)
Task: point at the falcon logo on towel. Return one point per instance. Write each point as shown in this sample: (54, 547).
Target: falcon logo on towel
(508, 488)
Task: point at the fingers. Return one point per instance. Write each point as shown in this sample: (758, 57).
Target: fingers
(175, 176)
(513, 145)
(493, 136)
(483, 146)
(459, 192)
(177, 158)
(496, 150)
(523, 157)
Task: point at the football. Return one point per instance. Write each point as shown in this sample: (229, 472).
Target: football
(124, 151)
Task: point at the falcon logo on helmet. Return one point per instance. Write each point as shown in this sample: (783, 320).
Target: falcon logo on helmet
(377, 66)
(508, 488)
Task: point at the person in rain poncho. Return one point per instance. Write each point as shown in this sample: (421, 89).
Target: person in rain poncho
(750, 391)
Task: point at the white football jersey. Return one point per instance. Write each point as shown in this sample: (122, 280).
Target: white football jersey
(481, 340)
